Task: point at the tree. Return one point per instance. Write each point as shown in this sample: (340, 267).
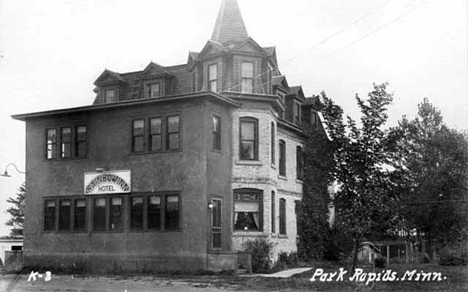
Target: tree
(436, 165)
(17, 212)
(367, 205)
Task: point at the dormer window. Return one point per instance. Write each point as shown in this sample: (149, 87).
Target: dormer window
(110, 95)
(213, 77)
(297, 113)
(247, 77)
(153, 90)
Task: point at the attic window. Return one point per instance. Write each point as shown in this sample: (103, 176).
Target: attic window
(213, 77)
(247, 77)
(110, 95)
(153, 90)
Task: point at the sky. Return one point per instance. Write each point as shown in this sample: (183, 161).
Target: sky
(52, 51)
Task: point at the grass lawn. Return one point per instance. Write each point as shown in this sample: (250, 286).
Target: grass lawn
(454, 279)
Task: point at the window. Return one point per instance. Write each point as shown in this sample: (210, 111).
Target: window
(282, 158)
(153, 90)
(248, 139)
(248, 210)
(172, 213)
(136, 213)
(299, 163)
(65, 214)
(49, 215)
(282, 216)
(99, 214)
(247, 77)
(155, 134)
(216, 223)
(138, 140)
(194, 81)
(216, 133)
(65, 139)
(80, 215)
(80, 141)
(51, 143)
(154, 212)
(314, 119)
(273, 142)
(273, 214)
(213, 77)
(173, 124)
(115, 214)
(110, 95)
(297, 113)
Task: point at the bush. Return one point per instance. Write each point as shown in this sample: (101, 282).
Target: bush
(454, 255)
(286, 261)
(261, 251)
(379, 262)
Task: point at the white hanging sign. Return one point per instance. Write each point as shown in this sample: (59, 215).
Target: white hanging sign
(108, 182)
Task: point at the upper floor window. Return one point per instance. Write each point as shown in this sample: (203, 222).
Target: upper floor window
(314, 119)
(248, 213)
(248, 139)
(153, 90)
(194, 82)
(216, 133)
(282, 158)
(173, 135)
(72, 141)
(155, 134)
(273, 142)
(282, 216)
(297, 113)
(299, 163)
(51, 143)
(247, 77)
(110, 95)
(213, 77)
(273, 214)
(138, 136)
(65, 138)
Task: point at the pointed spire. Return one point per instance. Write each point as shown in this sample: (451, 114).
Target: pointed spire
(229, 26)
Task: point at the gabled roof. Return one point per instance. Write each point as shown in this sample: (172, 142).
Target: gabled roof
(229, 25)
(154, 69)
(193, 57)
(211, 47)
(271, 51)
(296, 91)
(279, 81)
(108, 77)
(248, 45)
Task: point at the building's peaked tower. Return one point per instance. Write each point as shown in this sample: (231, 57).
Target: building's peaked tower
(229, 26)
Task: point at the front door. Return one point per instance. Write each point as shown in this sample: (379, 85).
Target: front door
(216, 224)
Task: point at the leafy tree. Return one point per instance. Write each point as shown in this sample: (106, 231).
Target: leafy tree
(436, 165)
(17, 212)
(367, 205)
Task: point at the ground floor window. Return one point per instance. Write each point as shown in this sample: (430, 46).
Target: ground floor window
(248, 210)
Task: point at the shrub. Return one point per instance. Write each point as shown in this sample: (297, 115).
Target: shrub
(379, 262)
(261, 250)
(454, 255)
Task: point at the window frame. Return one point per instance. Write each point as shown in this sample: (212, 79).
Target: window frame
(78, 141)
(282, 217)
(282, 169)
(273, 143)
(71, 214)
(255, 140)
(149, 92)
(273, 212)
(297, 113)
(113, 98)
(216, 134)
(299, 163)
(247, 78)
(249, 191)
(64, 143)
(141, 136)
(169, 134)
(215, 80)
(54, 150)
(151, 135)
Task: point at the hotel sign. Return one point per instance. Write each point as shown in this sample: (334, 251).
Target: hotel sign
(108, 182)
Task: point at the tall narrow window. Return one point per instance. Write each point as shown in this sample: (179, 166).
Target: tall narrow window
(282, 216)
(110, 95)
(153, 90)
(299, 163)
(273, 214)
(49, 215)
(65, 215)
(115, 214)
(155, 134)
(213, 77)
(282, 158)
(99, 214)
(65, 138)
(173, 129)
(273, 143)
(154, 212)
(80, 215)
(248, 210)
(138, 139)
(247, 77)
(216, 133)
(136, 213)
(80, 141)
(172, 213)
(297, 113)
(51, 143)
(194, 81)
(248, 139)
(314, 119)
